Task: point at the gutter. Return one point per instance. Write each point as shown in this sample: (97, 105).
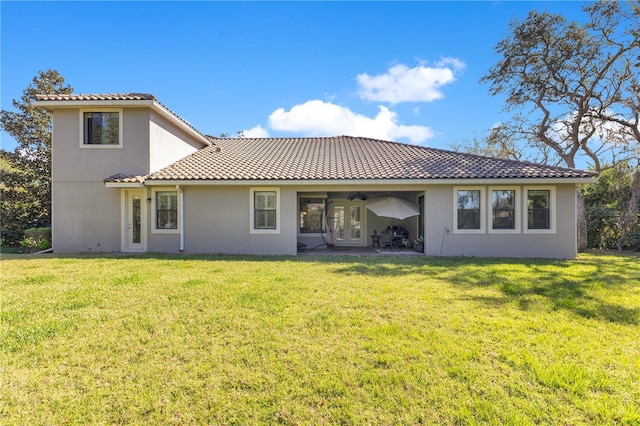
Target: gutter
(336, 182)
(181, 217)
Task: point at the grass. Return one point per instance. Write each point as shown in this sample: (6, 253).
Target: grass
(306, 340)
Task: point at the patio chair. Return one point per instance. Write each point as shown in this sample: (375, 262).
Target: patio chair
(387, 240)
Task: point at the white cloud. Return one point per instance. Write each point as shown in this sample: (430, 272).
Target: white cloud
(404, 84)
(256, 132)
(319, 118)
(455, 63)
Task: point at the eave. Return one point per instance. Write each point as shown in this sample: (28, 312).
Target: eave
(124, 184)
(355, 182)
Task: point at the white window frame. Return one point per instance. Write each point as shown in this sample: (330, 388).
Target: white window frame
(517, 214)
(100, 109)
(483, 210)
(252, 192)
(552, 210)
(154, 211)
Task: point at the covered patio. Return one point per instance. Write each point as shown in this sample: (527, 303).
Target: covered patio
(344, 223)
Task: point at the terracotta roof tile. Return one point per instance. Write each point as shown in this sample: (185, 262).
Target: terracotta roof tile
(121, 178)
(344, 158)
(97, 97)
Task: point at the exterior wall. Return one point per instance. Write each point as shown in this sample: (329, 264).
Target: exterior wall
(71, 163)
(168, 143)
(85, 214)
(86, 217)
(439, 218)
(216, 220)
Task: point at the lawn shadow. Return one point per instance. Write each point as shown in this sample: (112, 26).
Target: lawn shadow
(559, 284)
(572, 285)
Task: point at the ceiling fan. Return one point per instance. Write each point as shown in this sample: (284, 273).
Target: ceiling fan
(358, 195)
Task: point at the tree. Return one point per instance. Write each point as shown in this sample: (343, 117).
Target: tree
(573, 88)
(607, 206)
(26, 173)
(497, 143)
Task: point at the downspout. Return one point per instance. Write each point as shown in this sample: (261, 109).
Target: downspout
(181, 217)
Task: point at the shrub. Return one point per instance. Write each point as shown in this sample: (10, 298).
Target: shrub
(37, 238)
(10, 238)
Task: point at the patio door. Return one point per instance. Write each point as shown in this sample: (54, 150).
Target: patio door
(135, 213)
(348, 219)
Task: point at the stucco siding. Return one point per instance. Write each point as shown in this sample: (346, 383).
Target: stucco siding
(168, 143)
(85, 214)
(217, 221)
(441, 239)
(73, 163)
(86, 218)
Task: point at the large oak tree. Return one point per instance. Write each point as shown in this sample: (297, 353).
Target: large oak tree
(573, 88)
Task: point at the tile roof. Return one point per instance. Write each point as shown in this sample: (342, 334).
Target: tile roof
(121, 178)
(344, 158)
(97, 97)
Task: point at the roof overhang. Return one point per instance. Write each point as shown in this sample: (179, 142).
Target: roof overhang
(355, 182)
(124, 184)
(135, 103)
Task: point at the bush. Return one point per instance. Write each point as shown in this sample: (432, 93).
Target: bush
(10, 238)
(37, 238)
(605, 203)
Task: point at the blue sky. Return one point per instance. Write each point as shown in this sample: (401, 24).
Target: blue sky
(405, 71)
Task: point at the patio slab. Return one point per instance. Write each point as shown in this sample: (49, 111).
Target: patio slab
(358, 251)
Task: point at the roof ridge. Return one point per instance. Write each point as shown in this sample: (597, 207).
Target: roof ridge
(347, 158)
(350, 138)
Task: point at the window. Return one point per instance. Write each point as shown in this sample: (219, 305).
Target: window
(505, 211)
(539, 202)
(539, 209)
(469, 215)
(101, 129)
(265, 210)
(311, 215)
(166, 210)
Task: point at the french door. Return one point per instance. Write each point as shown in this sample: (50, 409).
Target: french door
(348, 221)
(135, 213)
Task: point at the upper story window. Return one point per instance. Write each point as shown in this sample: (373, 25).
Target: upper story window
(101, 128)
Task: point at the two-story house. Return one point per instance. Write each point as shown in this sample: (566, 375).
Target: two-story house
(129, 175)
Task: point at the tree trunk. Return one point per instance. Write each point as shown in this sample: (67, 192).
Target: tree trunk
(629, 216)
(581, 223)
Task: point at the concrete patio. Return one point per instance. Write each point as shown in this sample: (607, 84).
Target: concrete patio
(358, 251)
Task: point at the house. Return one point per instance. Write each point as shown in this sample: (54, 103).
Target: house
(129, 175)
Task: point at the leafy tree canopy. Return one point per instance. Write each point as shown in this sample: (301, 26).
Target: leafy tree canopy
(573, 88)
(26, 172)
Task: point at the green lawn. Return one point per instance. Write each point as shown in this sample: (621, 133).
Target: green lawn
(312, 340)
